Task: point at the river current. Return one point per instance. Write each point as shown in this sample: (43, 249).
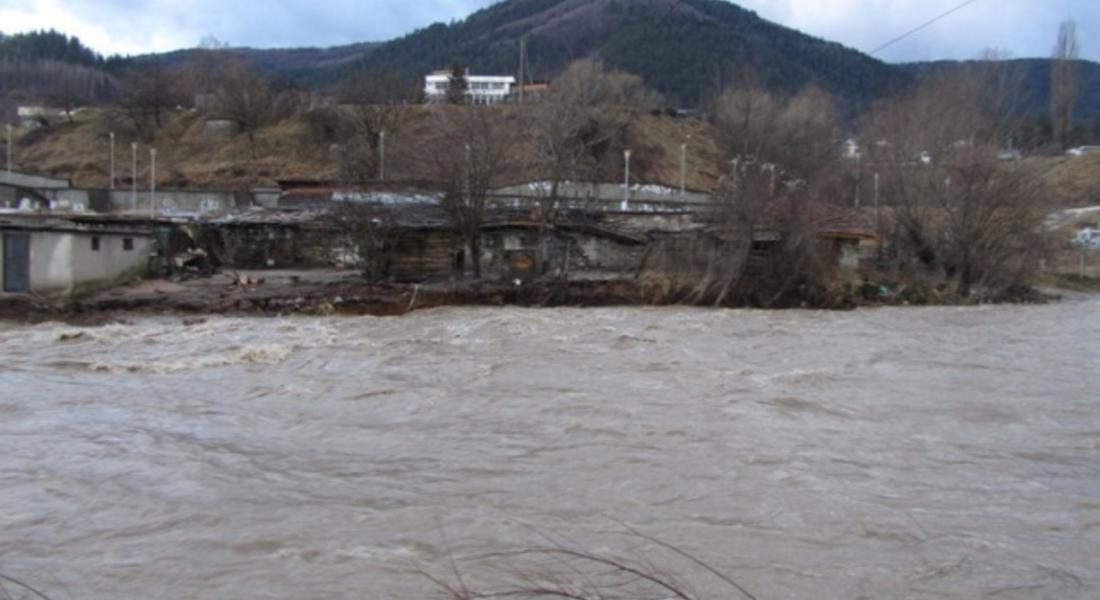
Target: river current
(889, 453)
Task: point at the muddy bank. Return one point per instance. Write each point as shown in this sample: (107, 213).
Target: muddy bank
(290, 295)
(329, 293)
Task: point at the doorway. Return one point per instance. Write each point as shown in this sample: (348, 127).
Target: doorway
(17, 262)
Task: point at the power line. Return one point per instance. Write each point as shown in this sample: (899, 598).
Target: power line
(929, 23)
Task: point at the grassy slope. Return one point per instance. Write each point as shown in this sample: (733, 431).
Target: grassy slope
(1076, 178)
(190, 158)
(186, 156)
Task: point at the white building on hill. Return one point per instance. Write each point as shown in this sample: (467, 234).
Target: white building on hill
(480, 89)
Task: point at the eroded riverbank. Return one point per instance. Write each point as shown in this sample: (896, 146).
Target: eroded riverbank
(327, 293)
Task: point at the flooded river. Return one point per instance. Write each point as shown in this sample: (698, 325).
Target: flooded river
(892, 453)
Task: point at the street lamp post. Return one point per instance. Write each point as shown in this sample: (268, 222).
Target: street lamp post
(626, 181)
(111, 185)
(381, 155)
(8, 129)
(467, 186)
(683, 170)
(152, 181)
(133, 176)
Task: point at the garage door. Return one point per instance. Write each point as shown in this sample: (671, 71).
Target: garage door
(17, 262)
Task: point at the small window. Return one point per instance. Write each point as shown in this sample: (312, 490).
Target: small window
(95, 244)
(127, 244)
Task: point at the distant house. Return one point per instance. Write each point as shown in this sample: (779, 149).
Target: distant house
(480, 89)
(850, 149)
(51, 256)
(1089, 237)
(1082, 150)
(31, 117)
(534, 91)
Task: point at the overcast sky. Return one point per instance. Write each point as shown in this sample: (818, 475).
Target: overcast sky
(1020, 27)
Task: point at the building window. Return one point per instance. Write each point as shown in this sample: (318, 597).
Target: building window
(127, 244)
(95, 244)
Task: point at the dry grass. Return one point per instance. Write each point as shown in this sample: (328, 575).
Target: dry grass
(189, 157)
(1076, 179)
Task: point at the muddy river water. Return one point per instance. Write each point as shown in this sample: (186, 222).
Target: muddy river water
(890, 453)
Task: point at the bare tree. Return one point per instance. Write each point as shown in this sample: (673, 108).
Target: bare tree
(1065, 83)
(599, 108)
(962, 214)
(69, 87)
(148, 92)
(457, 84)
(366, 231)
(205, 69)
(380, 104)
(590, 84)
(799, 133)
(246, 98)
(586, 111)
(472, 156)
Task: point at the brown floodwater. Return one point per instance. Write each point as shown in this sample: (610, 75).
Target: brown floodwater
(890, 453)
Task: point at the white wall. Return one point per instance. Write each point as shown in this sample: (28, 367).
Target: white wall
(112, 263)
(51, 262)
(32, 181)
(62, 263)
(168, 202)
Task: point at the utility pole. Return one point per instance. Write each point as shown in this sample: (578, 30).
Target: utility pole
(111, 185)
(8, 129)
(133, 176)
(626, 184)
(467, 175)
(878, 220)
(382, 155)
(152, 182)
(522, 60)
(859, 178)
(683, 170)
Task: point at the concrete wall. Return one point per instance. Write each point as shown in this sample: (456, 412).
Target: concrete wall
(596, 255)
(605, 191)
(266, 197)
(111, 264)
(51, 262)
(655, 221)
(508, 249)
(171, 202)
(635, 206)
(33, 181)
(68, 200)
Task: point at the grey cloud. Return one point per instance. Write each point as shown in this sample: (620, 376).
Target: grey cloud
(1022, 27)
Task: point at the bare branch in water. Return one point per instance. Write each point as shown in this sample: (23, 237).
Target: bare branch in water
(21, 585)
(558, 571)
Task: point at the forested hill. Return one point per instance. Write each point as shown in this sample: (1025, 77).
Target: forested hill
(312, 67)
(47, 45)
(685, 49)
(51, 67)
(1033, 75)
